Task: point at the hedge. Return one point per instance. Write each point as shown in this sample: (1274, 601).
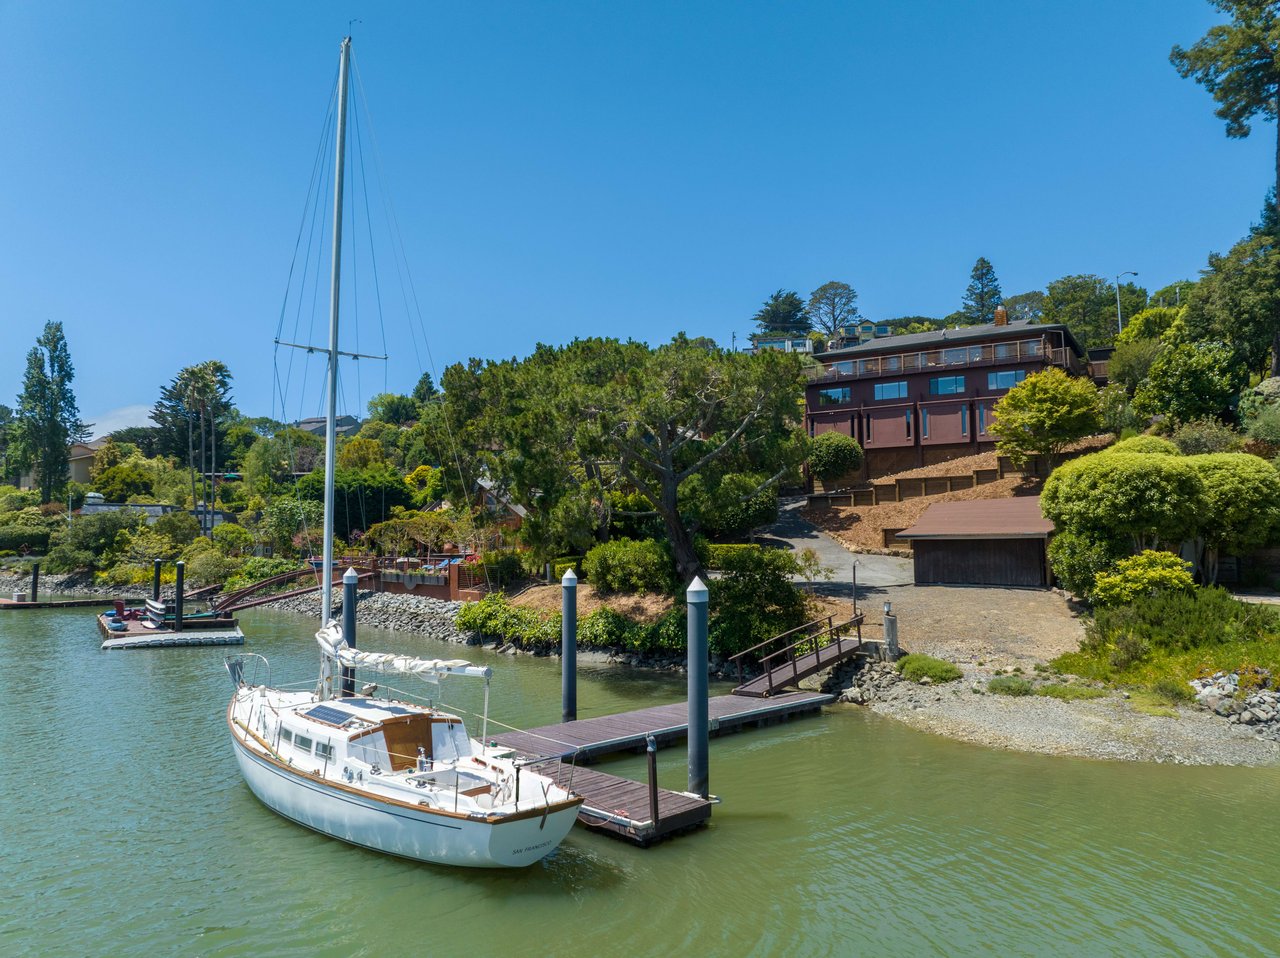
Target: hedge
(630, 565)
(718, 555)
(15, 537)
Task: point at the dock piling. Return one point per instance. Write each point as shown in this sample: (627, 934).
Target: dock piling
(35, 582)
(177, 599)
(569, 646)
(891, 650)
(651, 750)
(155, 579)
(699, 745)
(349, 580)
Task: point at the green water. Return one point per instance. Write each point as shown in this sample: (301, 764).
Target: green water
(125, 829)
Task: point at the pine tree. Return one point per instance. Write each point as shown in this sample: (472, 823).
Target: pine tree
(832, 306)
(48, 419)
(983, 295)
(783, 312)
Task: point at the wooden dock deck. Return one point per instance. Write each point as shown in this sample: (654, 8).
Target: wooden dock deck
(621, 807)
(194, 632)
(594, 738)
(56, 604)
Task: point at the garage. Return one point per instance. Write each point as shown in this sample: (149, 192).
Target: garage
(981, 542)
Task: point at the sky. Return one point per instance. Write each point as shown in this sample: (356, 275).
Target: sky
(557, 170)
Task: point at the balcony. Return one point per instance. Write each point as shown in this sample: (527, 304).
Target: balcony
(954, 357)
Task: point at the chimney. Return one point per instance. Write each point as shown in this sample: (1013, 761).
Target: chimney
(1002, 316)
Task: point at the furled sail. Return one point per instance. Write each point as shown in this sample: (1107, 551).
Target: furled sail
(333, 645)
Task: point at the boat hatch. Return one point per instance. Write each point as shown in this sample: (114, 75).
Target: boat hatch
(327, 713)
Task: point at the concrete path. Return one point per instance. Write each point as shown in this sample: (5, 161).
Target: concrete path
(874, 571)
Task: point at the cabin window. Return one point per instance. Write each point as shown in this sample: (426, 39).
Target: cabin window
(946, 385)
(834, 396)
(302, 742)
(1006, 379)
(896, 390)
(324, 750)
(286, 735)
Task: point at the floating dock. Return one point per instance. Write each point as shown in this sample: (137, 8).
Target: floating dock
(619, 806)
(194, 632)
(54, 604)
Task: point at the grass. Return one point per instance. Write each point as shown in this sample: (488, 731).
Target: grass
(1009, 685)
(1172, 665)
(1152, 703)
(917, 667)
(1070, 693)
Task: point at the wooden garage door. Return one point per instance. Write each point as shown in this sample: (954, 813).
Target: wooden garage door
(980, 562)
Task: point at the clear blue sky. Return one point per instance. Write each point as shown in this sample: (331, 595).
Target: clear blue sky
(569, 169)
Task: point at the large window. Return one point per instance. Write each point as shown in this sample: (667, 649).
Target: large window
(964, 420)
(955, 355)
(834, 397)
(946, 385)
(842, 367)
(924, 424)
(891, 390)
(907, 413)
(1006, 379)
(982, 420)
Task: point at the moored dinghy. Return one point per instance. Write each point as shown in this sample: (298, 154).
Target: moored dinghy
(389, 775)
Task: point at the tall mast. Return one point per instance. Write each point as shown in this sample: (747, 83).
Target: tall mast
(330, 428)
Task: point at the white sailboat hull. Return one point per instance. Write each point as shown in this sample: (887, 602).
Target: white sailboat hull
(398, 830)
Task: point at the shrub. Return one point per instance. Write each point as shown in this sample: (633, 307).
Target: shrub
(1070, 693)
(1179, 620)
(1077, 559)
(17, 537)
(1010, 685)
(1172, 691)
(494, 615)
(1145, 445)
(232, 539)
(754, 599)
(718, 554)
(253, 570)
(630, 565)
(561, 566)
(502, 565)
(916, 667)
(120, 483)
(1205, 435)
(1142, 575)
(181, 527)
(833, 454)
(1265, 427)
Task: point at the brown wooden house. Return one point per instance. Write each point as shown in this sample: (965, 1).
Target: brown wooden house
(981, 542)
(924, 398)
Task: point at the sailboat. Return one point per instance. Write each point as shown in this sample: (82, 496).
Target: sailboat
(387, 774)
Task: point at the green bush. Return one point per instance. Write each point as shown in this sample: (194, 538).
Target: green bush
(121, 483)
(1147, 445)
(737, 506)
(630, 565)
(1009, 685)
(754, 599)
(1178, 620)
(561, 566)
(1206, 435)
(1172, 691)
(717, 555)
(494, 615)
(1077, 558)
(181, 527)
(255, 569)
(916, 667)
(502, 565)
(1145, 574)
(16, 537)
(1070, 693)
(833, 454)
(1265, 427)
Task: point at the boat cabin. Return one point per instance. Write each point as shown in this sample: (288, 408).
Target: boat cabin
(382, 735)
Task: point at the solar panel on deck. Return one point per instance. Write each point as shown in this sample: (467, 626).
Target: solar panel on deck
(326, 713)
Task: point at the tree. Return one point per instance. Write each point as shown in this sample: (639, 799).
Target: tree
(1239, 64)
(983, 295)
(362, 497)
(272, 462)
(1086, 304)
(1115, 413)
(833, 454)
(360, 454)
(567, 425)
(123, 482)
(48, 419)
(1131, 362)
(1238, 301)
(1242, 505)
(425, 390)
(783, 312)
(1191, 380)
(1175, 294)
(1149, 501)
(832, 306)
(1043, 414)
(144, 438)
(8, 444)
(392, 408)
(1150, 323)
(1025, 307)
(1142, 576)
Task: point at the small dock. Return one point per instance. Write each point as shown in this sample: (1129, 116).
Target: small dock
(55, 604)
(624, 808)
(137, 635)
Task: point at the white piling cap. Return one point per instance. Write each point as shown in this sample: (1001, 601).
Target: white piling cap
(350, 576)
(697, 591)
(568, 580)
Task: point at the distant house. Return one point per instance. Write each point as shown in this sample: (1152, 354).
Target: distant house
(95, 504)
(79, 463)
(786, 342)
(344, 425)
(509, 514)
(923, 398)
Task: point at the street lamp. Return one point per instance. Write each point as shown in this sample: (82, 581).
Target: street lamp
(1119, 317)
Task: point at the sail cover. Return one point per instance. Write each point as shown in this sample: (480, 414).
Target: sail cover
(331, 642)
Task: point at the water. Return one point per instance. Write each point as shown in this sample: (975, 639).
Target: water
(125, 829)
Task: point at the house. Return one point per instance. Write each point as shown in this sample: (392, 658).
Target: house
(925, 398)
(508, 513)
(79, 463)
(981, 542)
(343, 425)
(787, 342)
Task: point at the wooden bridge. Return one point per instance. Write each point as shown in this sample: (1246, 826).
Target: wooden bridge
(253, 595)
(804, 651)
